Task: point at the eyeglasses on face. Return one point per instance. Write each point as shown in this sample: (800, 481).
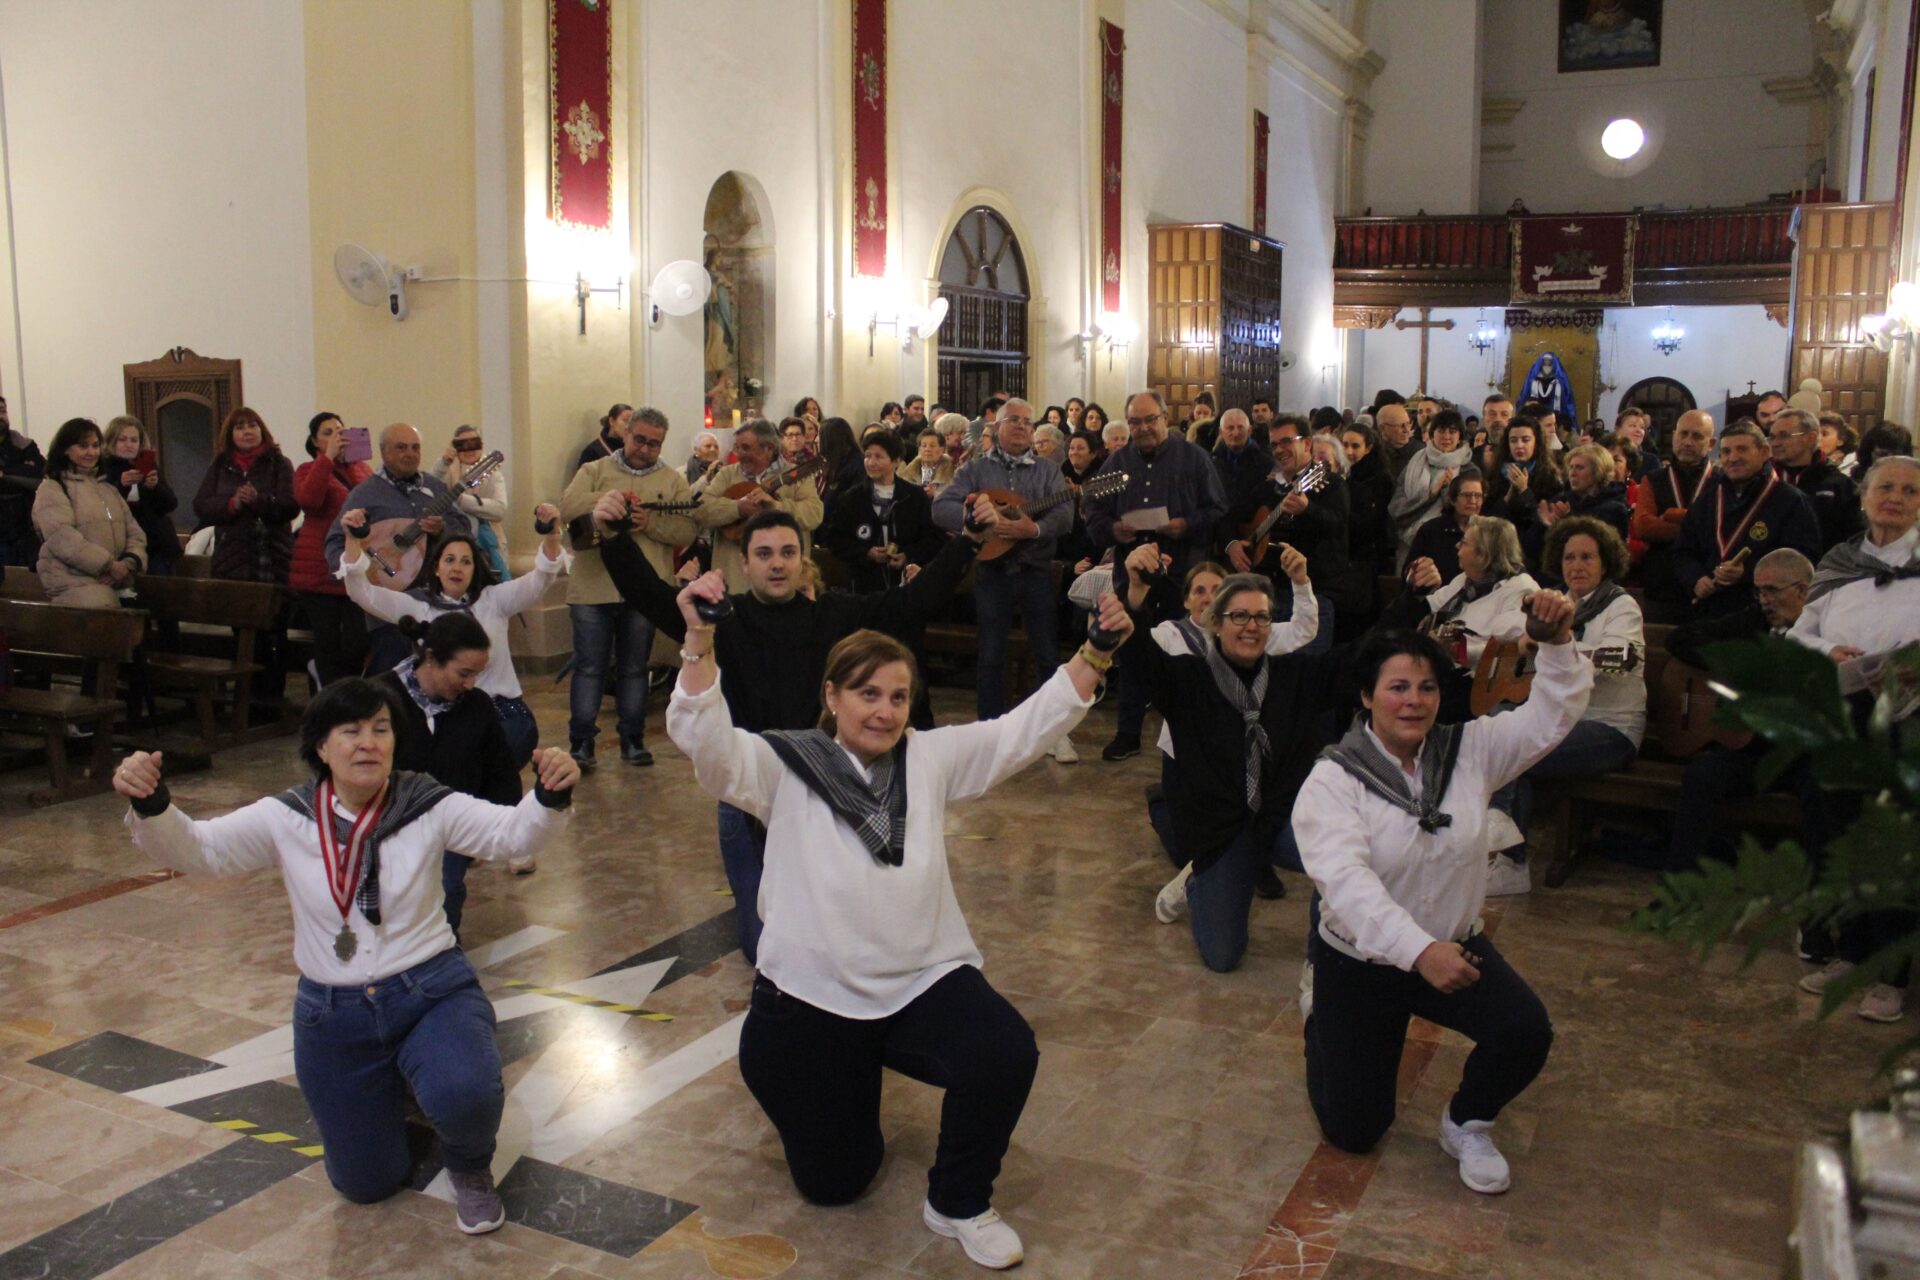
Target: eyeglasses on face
(646, 442)
(1149, 420)
(467, 444)
(1246, 618)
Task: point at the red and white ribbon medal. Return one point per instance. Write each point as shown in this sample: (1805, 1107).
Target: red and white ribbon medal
(343, 866)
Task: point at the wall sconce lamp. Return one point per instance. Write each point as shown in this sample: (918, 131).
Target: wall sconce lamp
(1899, 323)
(1117, 330)
(583, 290)
(1667, 336)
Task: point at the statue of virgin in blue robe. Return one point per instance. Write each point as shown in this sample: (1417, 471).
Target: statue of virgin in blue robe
(1547, 382)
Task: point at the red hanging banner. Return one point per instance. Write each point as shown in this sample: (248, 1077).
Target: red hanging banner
(580, 101)
(1571, 259)
(870, 137)
(1113, 50)
(1260, 132)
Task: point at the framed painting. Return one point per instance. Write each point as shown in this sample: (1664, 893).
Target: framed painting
(1609, 35)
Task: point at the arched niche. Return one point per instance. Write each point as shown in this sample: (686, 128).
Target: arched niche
(737, 348)
(1664, 400)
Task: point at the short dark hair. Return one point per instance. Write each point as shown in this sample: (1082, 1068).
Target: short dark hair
(1469, 474)
(1325, 418)
(1387, 643)
(1293, 420)
(1498, 397)
(1613, 552)
(881, 438)
(1769, 395)
(1534, 408)
(890, 406)
(1386, 396)
(346, 701)
(1262, 400)
(451, 632)
(651, 416)
(992, 404)
(915, 399)
(1365, 432)
(1875, 442)
(1206, 398)
(72, 432)
(931, 431)
(1446, 418)
(1075, 400)
(773, 518)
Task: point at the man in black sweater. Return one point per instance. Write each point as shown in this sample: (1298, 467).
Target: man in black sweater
(774, 645)
(449, 730)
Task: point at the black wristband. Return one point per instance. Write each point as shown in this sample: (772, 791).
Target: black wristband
(553, 799)
(152, 806)
(543, 527)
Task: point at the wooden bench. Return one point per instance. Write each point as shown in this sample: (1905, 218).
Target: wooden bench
(23, 584)
(102, 639)
(215, 685)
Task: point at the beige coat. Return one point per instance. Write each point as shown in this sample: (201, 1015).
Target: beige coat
(84, 526)
(801, 500)
(664, 533)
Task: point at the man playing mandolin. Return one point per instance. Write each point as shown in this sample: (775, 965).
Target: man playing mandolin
(1312, 520)
(760, 481)
(399, 490)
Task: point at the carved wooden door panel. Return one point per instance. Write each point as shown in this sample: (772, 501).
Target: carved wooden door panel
(1841, 273)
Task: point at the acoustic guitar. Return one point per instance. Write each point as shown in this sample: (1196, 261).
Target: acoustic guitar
(1683, 713)
(1505, 674)
(584, 533)
(395, 548)
(1012, 506)
(793, 475)
(1258, 532)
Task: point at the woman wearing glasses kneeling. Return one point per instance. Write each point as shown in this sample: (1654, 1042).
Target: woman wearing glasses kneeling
(1392, 827)
(387, 1003)
(865, 960)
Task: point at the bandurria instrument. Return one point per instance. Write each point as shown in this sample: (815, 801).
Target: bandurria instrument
(584, 534)
(1012, 506)
(395, 548)
(735, 492)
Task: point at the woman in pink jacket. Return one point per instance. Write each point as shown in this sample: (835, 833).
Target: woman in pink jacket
(321, 488)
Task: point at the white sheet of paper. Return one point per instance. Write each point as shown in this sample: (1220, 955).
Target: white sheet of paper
(1146, 519)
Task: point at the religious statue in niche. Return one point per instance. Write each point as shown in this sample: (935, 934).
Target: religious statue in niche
(1547, 382)
(1607, 35)
(735, 339)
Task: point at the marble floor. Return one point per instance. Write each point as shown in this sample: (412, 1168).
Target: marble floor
(149, 1126)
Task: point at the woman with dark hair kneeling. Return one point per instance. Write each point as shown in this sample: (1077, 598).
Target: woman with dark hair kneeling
(1392, 827)
(865, 960)
(387, 1004)
(448, 729)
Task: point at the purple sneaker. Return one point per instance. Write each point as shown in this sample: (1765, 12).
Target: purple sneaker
(477, 1207)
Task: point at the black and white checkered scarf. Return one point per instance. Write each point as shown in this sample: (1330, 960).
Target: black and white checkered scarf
(875, 808)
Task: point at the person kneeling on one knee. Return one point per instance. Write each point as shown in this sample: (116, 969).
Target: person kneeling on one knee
(865, 959)
(387, 1004)
(1391, 825)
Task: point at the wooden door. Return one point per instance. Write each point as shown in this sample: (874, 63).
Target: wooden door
(1842, 268)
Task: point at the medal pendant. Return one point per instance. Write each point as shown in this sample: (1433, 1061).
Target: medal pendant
(345, 944)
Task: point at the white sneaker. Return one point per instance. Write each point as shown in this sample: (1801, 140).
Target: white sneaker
(522, 866)
(1818, 981)
(1171, 903)
(1306, 990)
(1482, 1167)
(988, 1240)
(1063, 752)
(1883, 1003)
(1507, 878)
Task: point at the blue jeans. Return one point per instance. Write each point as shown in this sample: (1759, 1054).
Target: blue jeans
(1160, 812)
(1589, 748)
(357, 1052)
(1220, 899)
(997, 594)
(743, 851)
(604, 633)
(523, 735)
(453, 887)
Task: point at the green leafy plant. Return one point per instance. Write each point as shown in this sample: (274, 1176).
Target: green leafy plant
(1790, 696)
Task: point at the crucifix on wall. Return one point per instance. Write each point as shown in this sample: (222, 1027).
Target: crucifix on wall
(1423, 324)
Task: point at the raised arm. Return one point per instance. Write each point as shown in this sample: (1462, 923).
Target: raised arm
(1508, 745)
(238, 842)
(481, 829)
(383, 603)
(730, 764)
(516, 595)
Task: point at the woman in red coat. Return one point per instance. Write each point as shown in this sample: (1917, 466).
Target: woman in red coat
(247, 496)
(321, 488)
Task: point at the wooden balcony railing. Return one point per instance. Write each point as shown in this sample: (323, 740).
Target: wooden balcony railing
(1400, 244)
(1714, 238)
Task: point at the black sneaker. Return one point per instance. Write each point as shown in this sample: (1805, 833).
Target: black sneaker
(1269, 885)
(1122, 747)
(582, 753)
(636, 753)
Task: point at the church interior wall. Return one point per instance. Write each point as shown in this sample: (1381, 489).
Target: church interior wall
(1714, 135)
(1725, 347)
(158, 171)
(1423, 150)
(1303, 193)
(1889, 59)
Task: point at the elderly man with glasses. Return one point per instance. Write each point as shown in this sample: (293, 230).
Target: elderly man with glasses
(1173, 499)
(1795, 440)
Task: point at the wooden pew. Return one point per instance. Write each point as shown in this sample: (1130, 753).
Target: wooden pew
(102, 639)
(215, 686)
(23, 584)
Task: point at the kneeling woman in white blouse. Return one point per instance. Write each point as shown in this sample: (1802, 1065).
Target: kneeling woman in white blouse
(866, 961)
(387, 1003)
(1392, 827)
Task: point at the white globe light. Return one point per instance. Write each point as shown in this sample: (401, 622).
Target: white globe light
(1623, 139)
